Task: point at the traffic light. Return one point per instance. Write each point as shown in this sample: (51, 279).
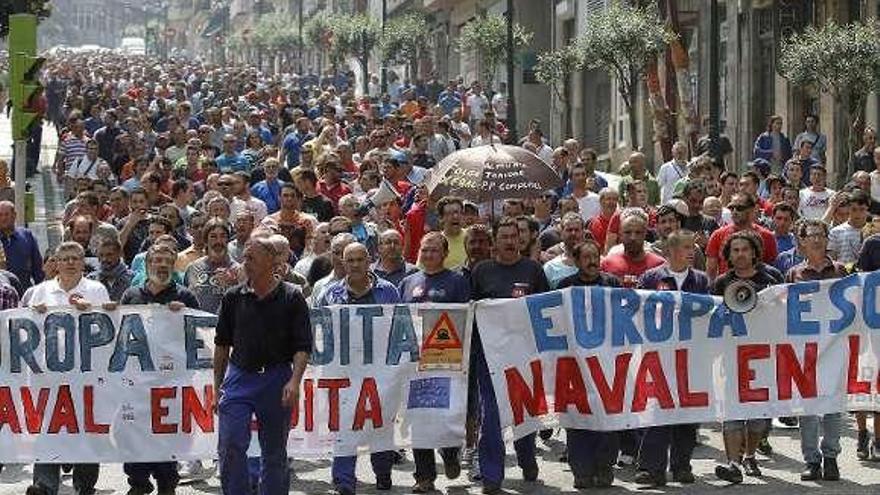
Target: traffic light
(26, 90)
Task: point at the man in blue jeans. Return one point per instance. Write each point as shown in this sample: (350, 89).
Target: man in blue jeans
(360, 286)
(265, 324)
(508, 275)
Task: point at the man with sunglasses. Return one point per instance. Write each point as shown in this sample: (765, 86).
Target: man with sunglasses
(231, 160)
(742, 212)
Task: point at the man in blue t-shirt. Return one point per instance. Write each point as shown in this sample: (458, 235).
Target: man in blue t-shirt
(434, 283)
(230, 160)
(292, 144)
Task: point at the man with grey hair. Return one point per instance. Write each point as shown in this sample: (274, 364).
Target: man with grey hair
(68, 288)
(672, 171)
(337, 248)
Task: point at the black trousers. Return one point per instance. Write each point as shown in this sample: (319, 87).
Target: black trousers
(426, 464)
(669, 445)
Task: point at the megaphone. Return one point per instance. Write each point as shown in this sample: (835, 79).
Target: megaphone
(740, 296)
(383, 194)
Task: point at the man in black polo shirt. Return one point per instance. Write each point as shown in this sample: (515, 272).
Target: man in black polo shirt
(159, 288)
(264, 323)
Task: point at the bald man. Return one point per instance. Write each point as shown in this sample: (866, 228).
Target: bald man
(23, 256)
(360, 286)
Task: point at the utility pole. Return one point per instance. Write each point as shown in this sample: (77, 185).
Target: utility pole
(384, 81)
(511, 76)
(714, 80)
(302, 44)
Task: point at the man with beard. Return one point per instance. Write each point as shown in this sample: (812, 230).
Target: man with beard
(508, 275)
(112, 272)
(211, 275)
(742, 212)
(159, 288)
(629, 265)
(591, 454)
(742, 250)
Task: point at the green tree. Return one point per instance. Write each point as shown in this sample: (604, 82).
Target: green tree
(622, 40)
(842, 60)
(356, 36)
(319, 35)
(40, 8)
(405, 40)
(554, 69)
(487, 36)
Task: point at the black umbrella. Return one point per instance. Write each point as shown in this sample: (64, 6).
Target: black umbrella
(490, 172)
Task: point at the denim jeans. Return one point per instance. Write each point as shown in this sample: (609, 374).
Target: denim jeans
(343, 468)
(670, 445)
(809, 426)
(245, 394)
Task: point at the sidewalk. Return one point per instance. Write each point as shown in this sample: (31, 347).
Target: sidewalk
(49, 200)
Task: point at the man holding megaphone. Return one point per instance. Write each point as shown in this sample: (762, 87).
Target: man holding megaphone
(742, 251)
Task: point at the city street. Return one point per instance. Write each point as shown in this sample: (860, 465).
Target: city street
(781, 474)
(376, 222)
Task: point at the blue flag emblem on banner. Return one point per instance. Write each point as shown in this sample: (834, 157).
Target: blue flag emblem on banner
(429, 393)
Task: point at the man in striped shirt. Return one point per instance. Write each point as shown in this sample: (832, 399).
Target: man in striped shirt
(845, 240)
(72, 147)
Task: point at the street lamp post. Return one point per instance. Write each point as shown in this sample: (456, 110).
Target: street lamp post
(714, 82)
(511, 76)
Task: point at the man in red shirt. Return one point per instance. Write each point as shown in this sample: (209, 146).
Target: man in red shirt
(331, 184)
(629, 265)
(598, 225)
(742, 212)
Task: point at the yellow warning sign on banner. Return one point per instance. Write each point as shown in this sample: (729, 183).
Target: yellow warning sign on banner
(441, 347)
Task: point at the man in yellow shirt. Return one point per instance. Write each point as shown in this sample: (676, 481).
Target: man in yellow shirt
(449, 209)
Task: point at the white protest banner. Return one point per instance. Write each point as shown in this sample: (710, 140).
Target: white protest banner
(135, 384)
(391, 376)
(610, 359)
(126, 385)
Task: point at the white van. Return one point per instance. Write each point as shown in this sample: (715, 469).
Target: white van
(133, 46)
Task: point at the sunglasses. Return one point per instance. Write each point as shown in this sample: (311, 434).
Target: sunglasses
(739, 207)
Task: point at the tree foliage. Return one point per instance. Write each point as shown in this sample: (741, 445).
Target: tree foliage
(556, 66)
(40, 8)
(487, 36)
(275, 32)
(843, 60)
(837, 59)
(354, 35)
(317, 32)
(622, 40)
(404, 38)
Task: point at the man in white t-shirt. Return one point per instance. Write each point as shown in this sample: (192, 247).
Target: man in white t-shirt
(588, 201)
(814, 199)
(672, 171)
(68, 288)
(499, 102)
(477, 103)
